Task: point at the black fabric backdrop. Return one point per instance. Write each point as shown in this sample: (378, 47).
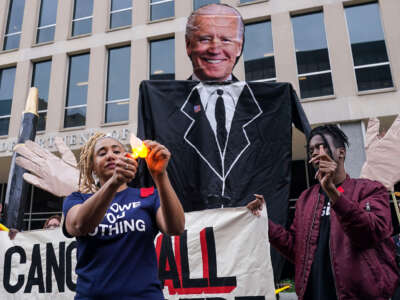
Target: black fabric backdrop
(258, 154)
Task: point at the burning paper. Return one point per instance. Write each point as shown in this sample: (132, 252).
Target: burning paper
(139, 149)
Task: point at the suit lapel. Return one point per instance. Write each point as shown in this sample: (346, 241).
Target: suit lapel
(246, 111)
(199, 134)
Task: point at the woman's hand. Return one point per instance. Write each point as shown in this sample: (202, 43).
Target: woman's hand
(157, 159)
(125, 170)
(256, 205)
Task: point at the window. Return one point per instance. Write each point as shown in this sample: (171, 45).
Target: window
(312, 56)
(162, 59)
(83, 14)
(7, 77)
(199, 3)
(371, 62)
(78, 75)
(41, 80)
(47, 21)
(118, 78)
(41, 205)
(161, 9)
(121, 13)
(258, 52)
(14, 24)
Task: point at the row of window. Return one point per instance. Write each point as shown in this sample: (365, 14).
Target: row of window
(120, 16)
(370, 57)
(117, 87)
(371, 62)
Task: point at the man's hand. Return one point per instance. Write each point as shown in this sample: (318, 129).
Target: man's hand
(157, 159)
(326, 173)
(58, 176)
(256, 205)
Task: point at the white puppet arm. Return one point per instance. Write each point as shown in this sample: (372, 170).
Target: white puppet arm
(58, 176)
(382, 162)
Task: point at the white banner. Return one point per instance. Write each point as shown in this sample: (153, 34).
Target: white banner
(223, 254)
(37, 264)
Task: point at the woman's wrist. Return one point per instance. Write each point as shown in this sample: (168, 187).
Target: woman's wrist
(159, 177)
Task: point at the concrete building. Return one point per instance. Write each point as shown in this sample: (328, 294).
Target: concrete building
(88, 57)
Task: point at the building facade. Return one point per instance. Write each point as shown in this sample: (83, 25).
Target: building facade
(88, 58)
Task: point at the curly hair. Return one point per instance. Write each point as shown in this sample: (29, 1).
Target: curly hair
(340, 139)
(87, 183)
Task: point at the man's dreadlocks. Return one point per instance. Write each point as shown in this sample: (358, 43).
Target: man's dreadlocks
(339, 138)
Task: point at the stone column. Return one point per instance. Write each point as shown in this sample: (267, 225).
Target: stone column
(341, 60)
(183, 65)
(101, 12)
(284, 51)
(390, 11)
(57, 92)
(96, 87)
(355, 155)
(139, 71)
(64, 20)
(29, 23)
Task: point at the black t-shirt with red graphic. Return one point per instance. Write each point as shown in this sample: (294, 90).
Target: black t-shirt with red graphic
(321, 284)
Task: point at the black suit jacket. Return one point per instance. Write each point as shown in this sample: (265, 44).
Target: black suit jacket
(258, 153)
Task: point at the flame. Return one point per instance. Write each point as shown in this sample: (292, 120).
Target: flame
(140, 151)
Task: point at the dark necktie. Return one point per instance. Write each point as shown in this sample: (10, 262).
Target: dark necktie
(220, 119)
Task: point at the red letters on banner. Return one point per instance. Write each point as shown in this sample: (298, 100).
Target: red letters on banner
(174, 268)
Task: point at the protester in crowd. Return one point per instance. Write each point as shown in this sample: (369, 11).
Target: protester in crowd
(340, 240)
(115, 225)
(52, 222)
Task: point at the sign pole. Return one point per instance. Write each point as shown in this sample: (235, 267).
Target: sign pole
(17, 188)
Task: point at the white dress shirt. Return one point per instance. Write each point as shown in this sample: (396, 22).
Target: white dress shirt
(208, 95)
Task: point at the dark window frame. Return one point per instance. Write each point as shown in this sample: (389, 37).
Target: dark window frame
(150, 58)
(197, 6)
(89, 17)
(40, 27)
(303, 76)
(8, 116)
(41, 111)
(160, 2)
(67, 106)
(362, 67)
(270, 79)
(7, 30)
(116, 11)
(115, 101)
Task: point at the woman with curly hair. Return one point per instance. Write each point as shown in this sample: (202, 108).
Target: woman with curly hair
(115, 225)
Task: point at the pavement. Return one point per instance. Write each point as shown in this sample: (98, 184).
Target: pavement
(287, 296)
